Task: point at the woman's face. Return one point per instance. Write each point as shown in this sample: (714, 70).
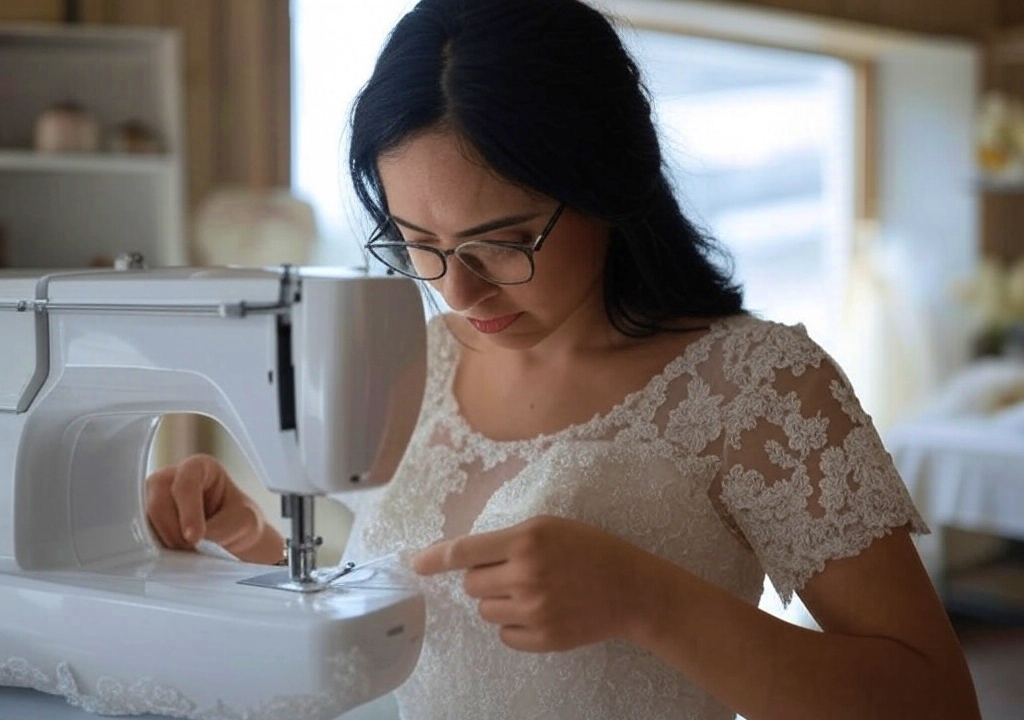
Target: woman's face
(439, 197)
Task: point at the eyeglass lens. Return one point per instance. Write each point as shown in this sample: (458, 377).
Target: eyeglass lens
(494, 263)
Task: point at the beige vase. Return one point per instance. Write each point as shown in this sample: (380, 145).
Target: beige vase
(66, 128)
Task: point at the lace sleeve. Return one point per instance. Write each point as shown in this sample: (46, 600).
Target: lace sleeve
(805, 477)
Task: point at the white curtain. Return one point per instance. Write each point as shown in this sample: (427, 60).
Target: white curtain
(884, 341)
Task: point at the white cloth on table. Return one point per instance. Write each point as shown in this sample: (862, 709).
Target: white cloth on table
(962, 458)
(963, 472)
(967, 472)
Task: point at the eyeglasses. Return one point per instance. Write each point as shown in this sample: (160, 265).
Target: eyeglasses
(498, 262)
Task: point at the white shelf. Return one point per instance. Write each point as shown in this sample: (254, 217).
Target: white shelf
(77, 37)
(31, 161)
(77, 209)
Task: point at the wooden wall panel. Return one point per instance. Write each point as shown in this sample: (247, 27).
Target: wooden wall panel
(279, 62)
(859, 10)
(1002, 212)
(962, 18)
(1002, 217)
(96, 11)
(1010, 13)
(803, 6)
(196, 20)
(141, 12)
(31, 10)
(128, 12)
(245, 121)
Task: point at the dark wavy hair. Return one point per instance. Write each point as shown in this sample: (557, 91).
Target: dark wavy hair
(547, 95)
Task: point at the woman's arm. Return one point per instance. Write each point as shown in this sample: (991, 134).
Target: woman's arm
(807, 482)
(887, 650)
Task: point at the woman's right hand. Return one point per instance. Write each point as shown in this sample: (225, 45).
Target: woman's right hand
(197, 500)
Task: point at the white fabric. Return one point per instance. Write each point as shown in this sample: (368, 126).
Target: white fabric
(748, 453)
(883, 339)
(966, 472)
(962, 459)
(988, 387)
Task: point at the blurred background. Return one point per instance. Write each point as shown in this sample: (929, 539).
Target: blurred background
(863, 160)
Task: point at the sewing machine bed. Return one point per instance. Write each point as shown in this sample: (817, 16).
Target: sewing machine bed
(22, 704)
(192, 607)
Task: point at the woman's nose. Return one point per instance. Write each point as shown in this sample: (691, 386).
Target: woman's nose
(461, 288)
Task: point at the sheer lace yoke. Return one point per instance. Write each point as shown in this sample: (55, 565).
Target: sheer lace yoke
(618, 414)
(499, 462)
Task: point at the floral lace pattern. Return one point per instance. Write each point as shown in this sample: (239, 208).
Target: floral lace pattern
(748, 454)
(118, 696)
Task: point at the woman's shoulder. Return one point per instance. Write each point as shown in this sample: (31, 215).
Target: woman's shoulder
(748, 340)
(748, 327)
(748, 351)
(744, 336)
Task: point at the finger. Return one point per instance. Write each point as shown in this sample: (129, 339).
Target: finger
(463, 552)
(500, 611)
(527, 639)
(235, 528)
(194, 477)
(488, 581)
(167, 533)
(162, 511)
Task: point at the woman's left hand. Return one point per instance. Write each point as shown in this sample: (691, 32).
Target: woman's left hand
(548, 583)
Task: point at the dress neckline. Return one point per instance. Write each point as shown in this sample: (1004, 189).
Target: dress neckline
(451, 409)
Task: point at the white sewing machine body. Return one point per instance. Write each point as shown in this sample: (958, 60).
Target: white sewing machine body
(300, 369)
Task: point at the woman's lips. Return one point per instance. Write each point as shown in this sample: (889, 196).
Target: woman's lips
(493, 325)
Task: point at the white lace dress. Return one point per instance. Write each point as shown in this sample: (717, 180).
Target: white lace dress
(748, 454)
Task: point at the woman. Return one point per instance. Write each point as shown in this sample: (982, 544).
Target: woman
(612, 454)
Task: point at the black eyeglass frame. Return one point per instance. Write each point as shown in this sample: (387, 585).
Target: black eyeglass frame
(528, 250)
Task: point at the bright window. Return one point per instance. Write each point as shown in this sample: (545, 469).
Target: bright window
(760, 142)
(335, 43)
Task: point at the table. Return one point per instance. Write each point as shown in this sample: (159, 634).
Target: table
(963, 472)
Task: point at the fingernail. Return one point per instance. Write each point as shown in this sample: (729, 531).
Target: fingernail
(190, 535)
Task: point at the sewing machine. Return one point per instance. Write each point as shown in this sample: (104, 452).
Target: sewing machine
(318, 376)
